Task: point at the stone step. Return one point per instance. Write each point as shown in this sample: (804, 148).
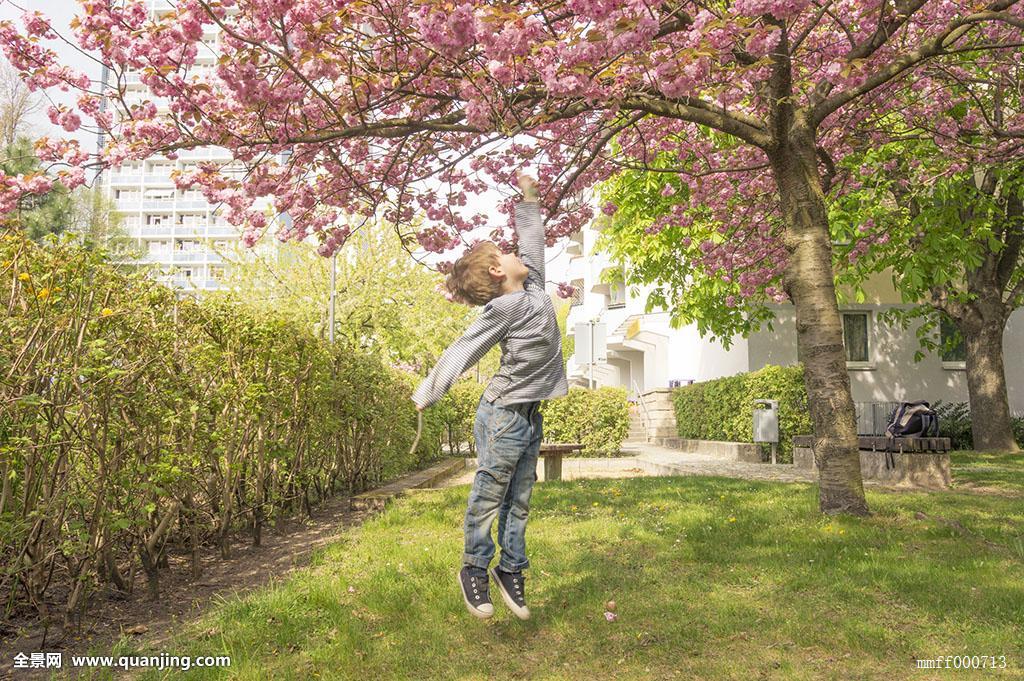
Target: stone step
(376, 499)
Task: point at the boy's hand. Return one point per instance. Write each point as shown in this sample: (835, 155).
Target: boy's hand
(528, 185)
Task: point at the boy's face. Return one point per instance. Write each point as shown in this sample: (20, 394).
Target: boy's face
(511, 266)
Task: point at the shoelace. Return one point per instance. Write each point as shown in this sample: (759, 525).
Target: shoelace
(483, 587)
(519, 582)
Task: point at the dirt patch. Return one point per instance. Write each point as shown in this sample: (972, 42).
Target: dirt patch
(284, 548)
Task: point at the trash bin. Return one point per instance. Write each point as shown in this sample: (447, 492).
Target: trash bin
(766, 423)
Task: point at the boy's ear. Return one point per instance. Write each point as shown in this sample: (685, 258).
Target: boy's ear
(496, 272)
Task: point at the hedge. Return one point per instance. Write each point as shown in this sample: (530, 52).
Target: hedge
(599, 419)
(723, 409)
(135, 425)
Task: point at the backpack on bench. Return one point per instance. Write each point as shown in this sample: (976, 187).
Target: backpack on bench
(911, 419)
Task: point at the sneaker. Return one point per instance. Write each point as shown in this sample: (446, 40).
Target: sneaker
(473, 582)
(513, 591)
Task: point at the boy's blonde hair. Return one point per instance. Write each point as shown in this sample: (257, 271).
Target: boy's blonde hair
(469, 281)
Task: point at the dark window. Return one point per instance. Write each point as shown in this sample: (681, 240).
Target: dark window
(855, 336)
(948, 333)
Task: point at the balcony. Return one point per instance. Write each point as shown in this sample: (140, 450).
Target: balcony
(189, 256)
(192, 204)
(575, 246)
(164, 204)
(222, 230)
(613, 274)
(156, 230)
(157, 178)
(123, 178)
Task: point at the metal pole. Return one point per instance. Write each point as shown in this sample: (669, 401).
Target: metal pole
(334, 269)
(591, 322)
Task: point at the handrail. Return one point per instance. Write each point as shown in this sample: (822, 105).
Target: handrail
(643, 406)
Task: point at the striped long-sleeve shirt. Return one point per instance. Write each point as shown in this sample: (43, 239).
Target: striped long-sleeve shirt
(522, 322)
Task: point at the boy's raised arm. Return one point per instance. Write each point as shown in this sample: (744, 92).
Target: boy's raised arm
(490, 327)
(530, 231)
(531, 240)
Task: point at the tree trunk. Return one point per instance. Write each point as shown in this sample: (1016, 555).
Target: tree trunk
(809, 282)
(991, 421)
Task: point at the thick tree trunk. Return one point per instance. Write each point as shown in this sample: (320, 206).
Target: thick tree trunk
(809, 282)
(991, 421)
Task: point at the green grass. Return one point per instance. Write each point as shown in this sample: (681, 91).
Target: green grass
(714, 578)
(993, 471)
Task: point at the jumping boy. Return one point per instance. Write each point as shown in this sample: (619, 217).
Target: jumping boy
(517, 314)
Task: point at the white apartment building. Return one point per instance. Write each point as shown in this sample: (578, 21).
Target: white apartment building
(177, 231)
(645, 353)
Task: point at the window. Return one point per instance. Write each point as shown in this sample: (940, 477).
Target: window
(855, 336)
(158, 247)
(192, 219)
(949, 333)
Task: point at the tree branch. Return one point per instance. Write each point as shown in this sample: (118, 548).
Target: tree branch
(744, 127)
(821, 107)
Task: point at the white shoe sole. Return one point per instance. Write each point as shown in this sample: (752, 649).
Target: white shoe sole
(473, 610)
(522, 612)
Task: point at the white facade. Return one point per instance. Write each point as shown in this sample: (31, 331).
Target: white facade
(645, 353)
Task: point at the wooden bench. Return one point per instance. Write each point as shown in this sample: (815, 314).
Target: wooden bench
(553, 453)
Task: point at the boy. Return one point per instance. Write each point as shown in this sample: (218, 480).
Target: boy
(508, 429)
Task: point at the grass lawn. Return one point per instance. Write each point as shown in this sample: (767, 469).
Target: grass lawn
(714, 578)
(999, 472)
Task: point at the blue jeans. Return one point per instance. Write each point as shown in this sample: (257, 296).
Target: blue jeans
(507, 447)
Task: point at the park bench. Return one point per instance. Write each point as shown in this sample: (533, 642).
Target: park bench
(553, 453)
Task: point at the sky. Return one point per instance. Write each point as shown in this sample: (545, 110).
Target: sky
(60, 13)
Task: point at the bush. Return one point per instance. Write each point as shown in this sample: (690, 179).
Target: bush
(599, 419)
(723, 409)
(955, 423)
(457, 413)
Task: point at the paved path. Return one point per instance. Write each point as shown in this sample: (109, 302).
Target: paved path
(641, 459)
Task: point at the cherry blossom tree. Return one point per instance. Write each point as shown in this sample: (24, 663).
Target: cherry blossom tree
(372, 98)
